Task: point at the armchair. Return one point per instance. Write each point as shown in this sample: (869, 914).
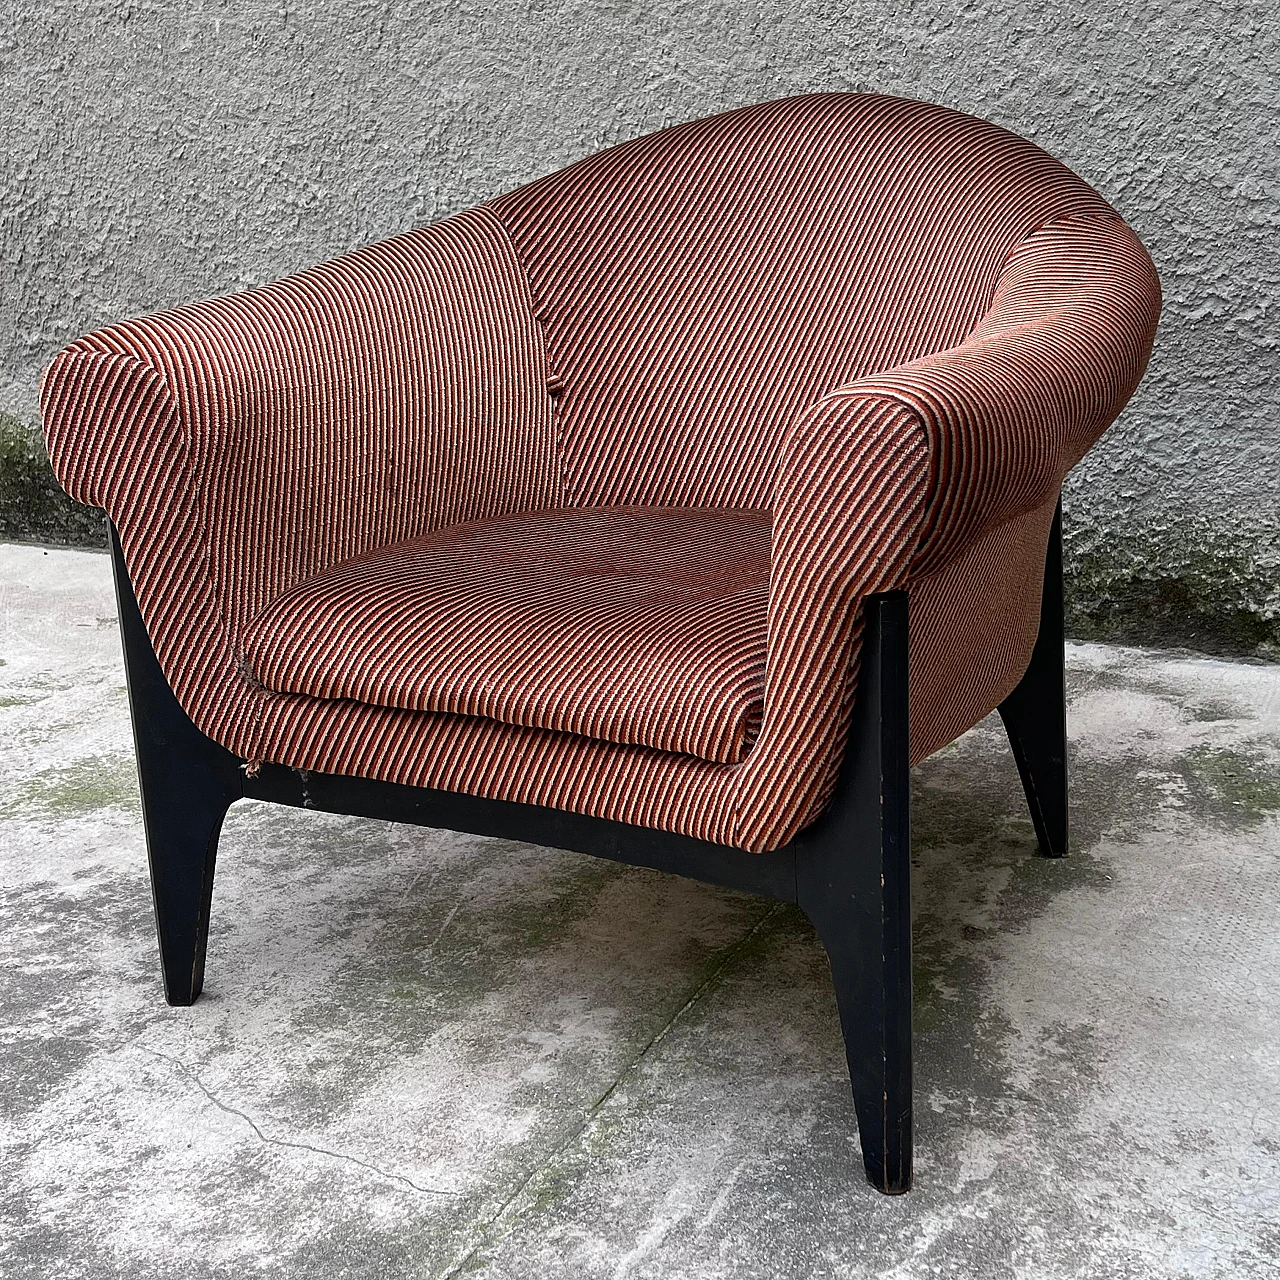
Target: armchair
(667, 508)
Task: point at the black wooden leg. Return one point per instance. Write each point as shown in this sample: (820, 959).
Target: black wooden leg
(853, 879)
(188, 782)
(1035, 713)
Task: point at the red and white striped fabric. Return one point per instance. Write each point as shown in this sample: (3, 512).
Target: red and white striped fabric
(640, 625)
(572, 498)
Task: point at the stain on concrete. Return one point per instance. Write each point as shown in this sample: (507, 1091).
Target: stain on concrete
(1237, 786)
(78, 789)
(52, 973)
(1212, 709)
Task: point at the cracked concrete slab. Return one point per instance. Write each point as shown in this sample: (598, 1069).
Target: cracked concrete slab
(429, 1054)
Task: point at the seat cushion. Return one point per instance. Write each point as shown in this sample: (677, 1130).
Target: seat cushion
(638, 625)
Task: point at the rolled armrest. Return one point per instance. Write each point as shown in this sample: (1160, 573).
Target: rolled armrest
(1014, 407)
(996, 422)
(370, 399)
(895, 475)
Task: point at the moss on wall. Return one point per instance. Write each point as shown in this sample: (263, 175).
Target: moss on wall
(33, 508)
(1203, 589)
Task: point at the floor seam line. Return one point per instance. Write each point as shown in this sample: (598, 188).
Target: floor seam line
(727, 958)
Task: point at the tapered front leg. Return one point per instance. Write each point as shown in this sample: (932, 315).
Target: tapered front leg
(187, 782)
(853, 879)
(1035, 713)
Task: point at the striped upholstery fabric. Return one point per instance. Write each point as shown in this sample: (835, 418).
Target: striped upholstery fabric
(702, 287)
(961, 665)
(870, 335)
(640, 625)
(377, 397)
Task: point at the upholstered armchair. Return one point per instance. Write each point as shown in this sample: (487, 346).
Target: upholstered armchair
(667, 508)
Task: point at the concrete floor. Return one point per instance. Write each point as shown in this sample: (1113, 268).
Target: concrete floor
(426, 1054)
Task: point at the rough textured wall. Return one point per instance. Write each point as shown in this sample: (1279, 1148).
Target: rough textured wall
(157, 153)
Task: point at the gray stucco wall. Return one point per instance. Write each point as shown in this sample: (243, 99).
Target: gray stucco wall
(158, 153)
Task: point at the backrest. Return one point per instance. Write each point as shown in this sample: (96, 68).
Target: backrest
(698, 287)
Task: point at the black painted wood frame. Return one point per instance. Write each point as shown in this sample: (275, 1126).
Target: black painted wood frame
(849, 871)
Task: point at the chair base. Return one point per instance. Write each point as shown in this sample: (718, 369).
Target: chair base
(849, 871)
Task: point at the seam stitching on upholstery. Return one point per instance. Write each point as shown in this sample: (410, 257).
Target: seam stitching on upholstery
(535, 313)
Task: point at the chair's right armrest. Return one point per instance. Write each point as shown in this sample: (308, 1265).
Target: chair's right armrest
(897, 474)
(368, 400)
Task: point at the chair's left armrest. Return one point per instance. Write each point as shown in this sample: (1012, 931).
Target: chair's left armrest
(1009, 411)
(243, 444)
(895, 475)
